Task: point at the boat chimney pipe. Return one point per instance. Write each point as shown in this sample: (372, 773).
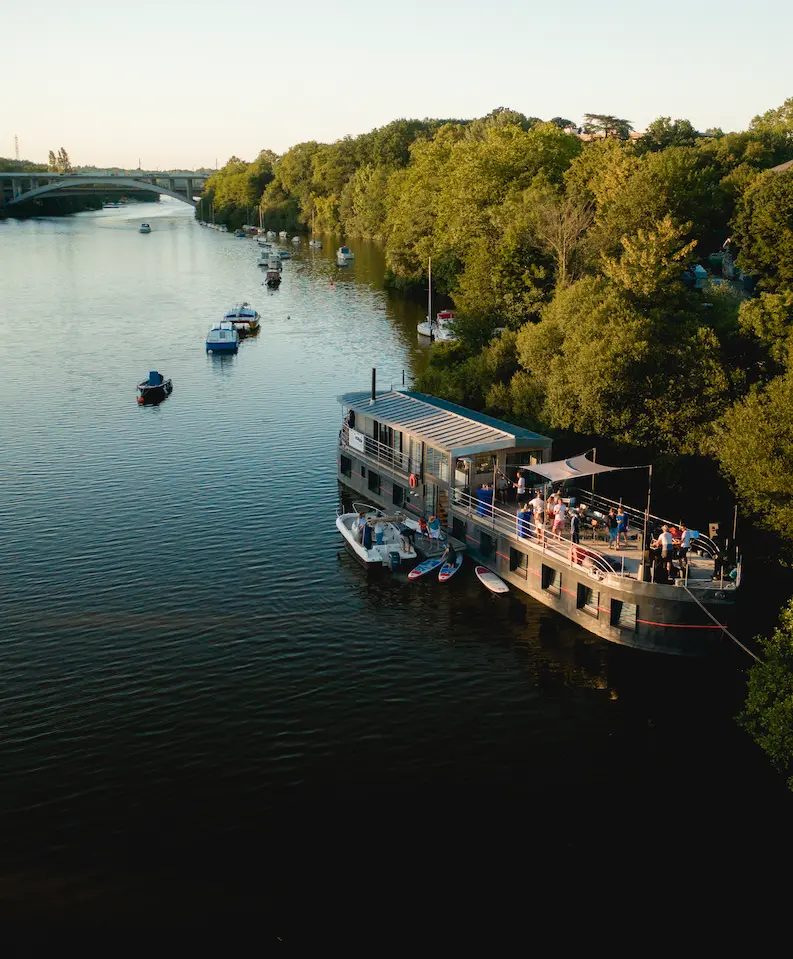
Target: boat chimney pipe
(374, 385)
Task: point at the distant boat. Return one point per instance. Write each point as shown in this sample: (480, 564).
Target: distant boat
(222, 338)
(154, 389)
(283, 234)
(285, 254)
(439, 329)
(111, 206)
(275, 263)
(272, 278)
(271, 234)
(344, 256)
(263, 241)
(295, 240)
(240, 234)
(317, 244)
(144, 228)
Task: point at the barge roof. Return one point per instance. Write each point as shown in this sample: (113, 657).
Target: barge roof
(442, 424)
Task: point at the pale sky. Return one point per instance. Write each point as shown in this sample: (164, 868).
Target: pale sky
(181, 84)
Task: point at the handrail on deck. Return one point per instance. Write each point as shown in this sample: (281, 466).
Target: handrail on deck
(595, 500)
(379, 452)
(510, 524)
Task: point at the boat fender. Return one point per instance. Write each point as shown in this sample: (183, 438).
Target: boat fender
(414, 481)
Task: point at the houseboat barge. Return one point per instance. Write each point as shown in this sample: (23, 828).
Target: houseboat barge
(416, 453)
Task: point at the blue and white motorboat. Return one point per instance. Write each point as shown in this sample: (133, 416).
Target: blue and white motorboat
(223, 338)
(243, 318)
(144, 228)
(344, 256)
(295, 241)
(285, 254)
(240, 234)
(154, 389)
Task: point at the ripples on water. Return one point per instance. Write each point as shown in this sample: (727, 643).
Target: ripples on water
(187, 655)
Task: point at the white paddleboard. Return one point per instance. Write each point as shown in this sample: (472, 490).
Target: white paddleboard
(493, 583)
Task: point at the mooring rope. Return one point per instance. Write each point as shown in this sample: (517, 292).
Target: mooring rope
(724, 628)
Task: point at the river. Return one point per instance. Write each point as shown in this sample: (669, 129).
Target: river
(195, 674)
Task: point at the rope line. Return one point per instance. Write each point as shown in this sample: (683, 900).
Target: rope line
(736, 641)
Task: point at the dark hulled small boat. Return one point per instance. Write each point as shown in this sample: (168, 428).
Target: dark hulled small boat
(154, 389)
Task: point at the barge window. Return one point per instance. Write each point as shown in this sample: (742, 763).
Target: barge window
(551, 580)
(437, 463)
(346, 466)
(623, 615)
(374, 482)
(588, 599)
(458, 528)
(519, 562)
(485, 544)
(399, 495)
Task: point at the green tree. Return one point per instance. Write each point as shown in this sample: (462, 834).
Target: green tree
(651, 261)
(768, 711)
(601, 124)
(764, 230)
(769, 318)
(664, 132)
(753, 442)
(779, 120)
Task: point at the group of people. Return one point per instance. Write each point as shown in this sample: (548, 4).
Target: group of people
(551, 514)
(670, 544)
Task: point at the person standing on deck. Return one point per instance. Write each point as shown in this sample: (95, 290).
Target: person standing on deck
(575, 526)
(622, 527)
(685, 542)
(434, 526)
(559, 516)
(666, 545)
(520, 486)
(612, 526)
(379, 532)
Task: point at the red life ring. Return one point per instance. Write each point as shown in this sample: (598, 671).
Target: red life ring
(414, 480)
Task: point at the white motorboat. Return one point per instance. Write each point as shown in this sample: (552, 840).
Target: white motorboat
(263, 241)
(439, 329)
(241, 311)
(363, 528)
(295, 241)
(283, 234)
(344, 256)
(317, 244)
(222, 338)
(271, 234)
(275, 262)
(144, 228)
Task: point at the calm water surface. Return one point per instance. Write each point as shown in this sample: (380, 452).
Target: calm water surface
(194, 673)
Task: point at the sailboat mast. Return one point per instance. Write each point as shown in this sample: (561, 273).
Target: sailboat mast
(429, 293)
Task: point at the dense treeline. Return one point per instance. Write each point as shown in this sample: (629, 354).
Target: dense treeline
(575, 249)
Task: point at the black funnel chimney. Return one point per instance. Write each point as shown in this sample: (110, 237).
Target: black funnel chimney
(374, 384)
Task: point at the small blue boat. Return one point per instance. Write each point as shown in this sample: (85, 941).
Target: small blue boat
(285, 255)
(240, 234)
(223, 338)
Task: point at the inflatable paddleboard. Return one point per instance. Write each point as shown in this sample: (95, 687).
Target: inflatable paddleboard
(426, 567)
(493, 583)
(448, 571)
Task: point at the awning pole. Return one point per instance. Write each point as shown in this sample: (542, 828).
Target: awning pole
(647, 512)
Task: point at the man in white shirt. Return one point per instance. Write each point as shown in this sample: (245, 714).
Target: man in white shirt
(559, 516)
(666, 545)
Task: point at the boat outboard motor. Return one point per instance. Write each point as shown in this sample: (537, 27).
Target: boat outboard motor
(393, 560)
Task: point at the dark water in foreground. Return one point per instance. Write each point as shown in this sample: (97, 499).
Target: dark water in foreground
(206, 707)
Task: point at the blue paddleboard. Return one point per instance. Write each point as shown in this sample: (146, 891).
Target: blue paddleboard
(426, 567)
(447, 571)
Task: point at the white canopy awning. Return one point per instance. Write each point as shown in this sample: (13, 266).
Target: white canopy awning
(573, 468)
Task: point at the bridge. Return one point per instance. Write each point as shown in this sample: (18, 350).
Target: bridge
(20, 187)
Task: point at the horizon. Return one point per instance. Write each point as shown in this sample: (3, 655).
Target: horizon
(187, 95)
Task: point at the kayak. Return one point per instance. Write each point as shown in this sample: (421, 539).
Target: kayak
(426, 567)
(447, 570)
(493, 583)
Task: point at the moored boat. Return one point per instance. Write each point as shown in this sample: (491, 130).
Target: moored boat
(273, 279)
(144, 228)
(271, 234)
(244, 319)
(240, 234)
(283, 234)
(622, 573)
(285, 254)
(154, 389)
(439, 329)
(316, 244)
(344, 256)
(374, 537)
(222, 338)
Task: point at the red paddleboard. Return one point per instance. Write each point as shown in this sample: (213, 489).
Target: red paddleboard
(448, 571)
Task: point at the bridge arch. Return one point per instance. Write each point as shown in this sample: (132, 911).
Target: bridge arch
(116, 181)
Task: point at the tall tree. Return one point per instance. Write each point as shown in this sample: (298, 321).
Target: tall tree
(601, 124)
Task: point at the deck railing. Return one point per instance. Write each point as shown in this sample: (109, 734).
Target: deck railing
(521, 528)
(379, 453)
